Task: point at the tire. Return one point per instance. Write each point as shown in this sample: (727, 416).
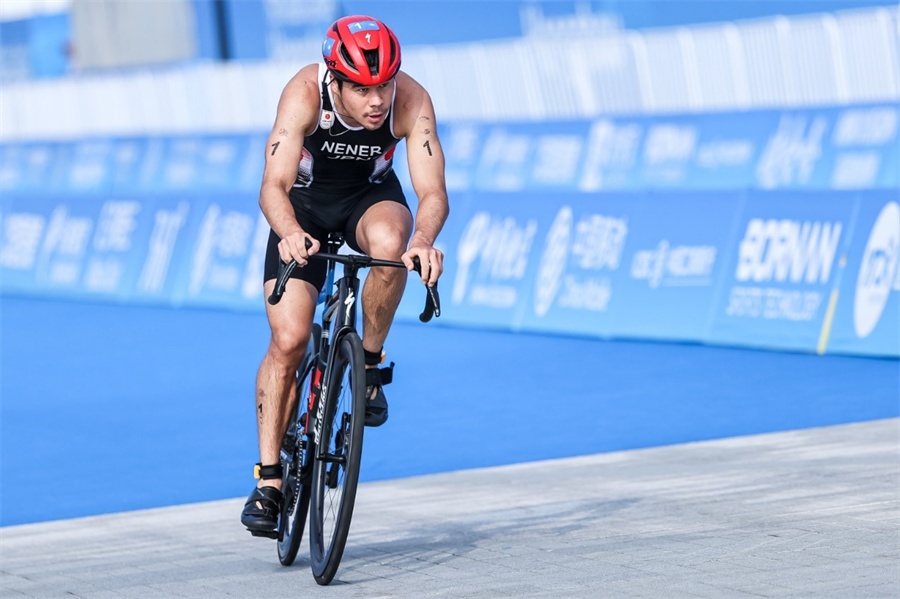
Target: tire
(295, 451)
(334, 482)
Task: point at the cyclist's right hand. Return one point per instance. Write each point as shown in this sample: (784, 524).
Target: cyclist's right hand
(298, 246)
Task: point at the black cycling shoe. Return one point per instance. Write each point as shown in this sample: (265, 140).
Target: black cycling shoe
(260, 513)
(376, 407)
(376, 402)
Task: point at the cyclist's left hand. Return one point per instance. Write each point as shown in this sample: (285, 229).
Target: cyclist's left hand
(431, 259)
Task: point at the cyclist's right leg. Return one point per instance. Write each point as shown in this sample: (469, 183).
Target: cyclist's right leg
(290, 322)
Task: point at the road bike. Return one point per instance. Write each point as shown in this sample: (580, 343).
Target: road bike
(322, 447)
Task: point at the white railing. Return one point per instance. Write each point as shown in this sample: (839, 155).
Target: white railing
(819, 59)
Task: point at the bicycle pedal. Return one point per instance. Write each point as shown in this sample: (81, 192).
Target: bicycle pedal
(269, 534)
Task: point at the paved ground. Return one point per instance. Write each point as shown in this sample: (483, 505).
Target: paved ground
(810, 513)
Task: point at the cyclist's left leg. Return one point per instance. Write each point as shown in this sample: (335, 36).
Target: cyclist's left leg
(383, 232)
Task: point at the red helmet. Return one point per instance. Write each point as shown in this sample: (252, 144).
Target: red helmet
(361, 50)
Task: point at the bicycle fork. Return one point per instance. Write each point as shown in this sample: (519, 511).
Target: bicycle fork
(339, 312)
(347, 289)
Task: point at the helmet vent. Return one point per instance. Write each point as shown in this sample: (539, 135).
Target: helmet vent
(348, 60)
(372, 61)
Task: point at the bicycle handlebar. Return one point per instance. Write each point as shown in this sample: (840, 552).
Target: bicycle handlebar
(432, 299)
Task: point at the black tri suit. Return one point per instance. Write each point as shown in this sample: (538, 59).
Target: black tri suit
(343, 171)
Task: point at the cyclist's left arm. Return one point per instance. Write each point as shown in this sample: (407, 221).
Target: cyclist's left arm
(426, 170)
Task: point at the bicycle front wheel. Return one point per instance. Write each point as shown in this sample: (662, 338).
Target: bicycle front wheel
(336, 469)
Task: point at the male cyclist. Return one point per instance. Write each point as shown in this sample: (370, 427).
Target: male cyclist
(329, 169)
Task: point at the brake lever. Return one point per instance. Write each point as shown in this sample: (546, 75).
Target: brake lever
(284, 273)
(432, 300)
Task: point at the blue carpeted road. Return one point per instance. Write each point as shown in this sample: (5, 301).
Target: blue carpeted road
(108, 408)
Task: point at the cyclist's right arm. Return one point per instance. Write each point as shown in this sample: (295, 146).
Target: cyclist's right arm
(298, 111)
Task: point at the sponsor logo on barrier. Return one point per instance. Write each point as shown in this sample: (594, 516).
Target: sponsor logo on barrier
(729, 153)
(116, 224)
(681, 265)
(221, 153)
(64, 247)
(610, 147)
(557, 159)
(496, 249)
(867, 129)
(61, 250)
(461, 148)
(221, 252)
(667, 151)
(772, 303)
(88, 168)
(878, 272)
(24, 167)
(792, 152)
(112, 237)
(21, 240)
(866, 126)
(503, 160)
(574, 255)
(167, 224)
(669, 143)
(783, 251)
(181, 169)
(855, 170)
(553, 261)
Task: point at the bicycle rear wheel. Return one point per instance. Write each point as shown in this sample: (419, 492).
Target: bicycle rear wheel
(296, 451)
(336, 469)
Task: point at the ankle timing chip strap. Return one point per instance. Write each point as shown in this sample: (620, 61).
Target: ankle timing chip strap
(373, 358)
(268, 472)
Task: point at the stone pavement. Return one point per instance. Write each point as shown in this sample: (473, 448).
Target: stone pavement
(810, 513)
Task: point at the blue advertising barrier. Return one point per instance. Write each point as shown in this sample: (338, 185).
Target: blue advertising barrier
(854, 147)
(866, 298)
(829, 148)
(781, 268)
(808, 272)
(773, 229)
(812, 272)
(183, 249)
(199, 163)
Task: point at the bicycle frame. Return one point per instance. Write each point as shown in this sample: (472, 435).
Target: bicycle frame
(335, 322)
(321, 461)
(338, 316)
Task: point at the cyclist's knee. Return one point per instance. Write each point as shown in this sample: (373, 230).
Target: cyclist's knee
(386, 240)
(288, 344)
